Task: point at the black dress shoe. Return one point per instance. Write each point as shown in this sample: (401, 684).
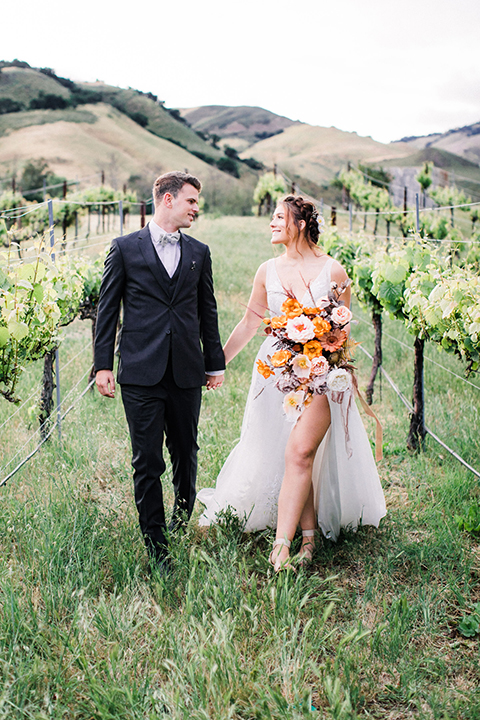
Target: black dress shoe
(160, 566)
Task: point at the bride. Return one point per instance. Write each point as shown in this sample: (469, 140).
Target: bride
(320, 468)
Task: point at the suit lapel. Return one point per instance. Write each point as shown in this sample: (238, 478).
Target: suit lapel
(151, 258)
(185, 263)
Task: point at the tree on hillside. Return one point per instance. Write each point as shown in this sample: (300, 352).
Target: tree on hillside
(35, 172)
(269, 188)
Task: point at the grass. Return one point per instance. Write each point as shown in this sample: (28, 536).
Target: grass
(16, 121)
(25, 84)
(369, 631)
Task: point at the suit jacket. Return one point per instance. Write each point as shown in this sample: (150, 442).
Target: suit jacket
(158, 324)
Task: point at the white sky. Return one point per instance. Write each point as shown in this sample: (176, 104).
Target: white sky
(385, 68)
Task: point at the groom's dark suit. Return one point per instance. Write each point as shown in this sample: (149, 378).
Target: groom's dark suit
(169, 339)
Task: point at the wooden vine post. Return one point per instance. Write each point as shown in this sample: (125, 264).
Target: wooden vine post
(417, 432)
(377, 356)
(46, 398)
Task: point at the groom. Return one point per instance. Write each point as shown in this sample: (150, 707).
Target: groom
(170, 346)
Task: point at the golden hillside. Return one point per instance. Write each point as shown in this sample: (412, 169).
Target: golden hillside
(318, 153)
(108, 141)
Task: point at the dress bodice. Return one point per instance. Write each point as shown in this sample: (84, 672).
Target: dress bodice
(277, 293)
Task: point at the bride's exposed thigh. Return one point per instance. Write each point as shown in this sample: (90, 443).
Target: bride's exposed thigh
(310, 428)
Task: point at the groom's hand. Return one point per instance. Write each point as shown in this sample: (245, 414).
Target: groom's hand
(214, 381)
(105, 383)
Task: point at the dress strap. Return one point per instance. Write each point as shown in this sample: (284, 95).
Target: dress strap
(328, 268)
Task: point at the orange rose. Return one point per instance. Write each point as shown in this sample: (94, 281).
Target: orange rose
(311, 311)
(312, 349)
(280, 358)
(264, 369)
(267, 321)
(279, 322)
(292, 308)
(321, 326)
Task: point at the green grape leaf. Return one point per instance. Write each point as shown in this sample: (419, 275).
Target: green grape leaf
(18, 330)
(395, 273)
(38, 293)
(26, 271)
(4, 336)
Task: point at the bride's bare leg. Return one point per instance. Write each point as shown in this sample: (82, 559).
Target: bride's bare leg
(295, 502)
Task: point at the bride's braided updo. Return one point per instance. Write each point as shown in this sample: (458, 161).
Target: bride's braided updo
(299, 209)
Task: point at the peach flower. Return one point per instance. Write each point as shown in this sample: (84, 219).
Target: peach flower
(321, 326)
(300, 329)
(264, 369)
(292, 308)
(301, 366)
(333, 340)
(320, 366)
(341, 315)
(312, 349)
(292, 404)
(278, 322)
(280, 358)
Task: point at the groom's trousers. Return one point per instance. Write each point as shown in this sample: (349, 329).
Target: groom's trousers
(153, 412)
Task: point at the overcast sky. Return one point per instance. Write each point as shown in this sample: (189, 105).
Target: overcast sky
(383, 68)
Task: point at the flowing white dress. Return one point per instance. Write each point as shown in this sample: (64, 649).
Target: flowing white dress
(347, 489)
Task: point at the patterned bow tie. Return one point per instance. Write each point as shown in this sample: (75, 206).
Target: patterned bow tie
(168, 238)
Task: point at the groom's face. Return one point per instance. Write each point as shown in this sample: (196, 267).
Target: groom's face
(184, 207)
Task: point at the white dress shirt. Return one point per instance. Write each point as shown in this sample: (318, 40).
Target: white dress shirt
(170, 253)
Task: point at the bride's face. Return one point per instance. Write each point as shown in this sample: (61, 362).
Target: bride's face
(278, 226)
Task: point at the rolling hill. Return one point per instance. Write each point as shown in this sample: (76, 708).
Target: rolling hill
(82, 129)
(240, 126)
(318, 153)
(464, 141)
(114, 143)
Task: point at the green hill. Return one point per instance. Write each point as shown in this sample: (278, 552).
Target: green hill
(24, 84)
(145, 109)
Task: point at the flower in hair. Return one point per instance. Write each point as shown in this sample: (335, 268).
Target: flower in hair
(321, 224)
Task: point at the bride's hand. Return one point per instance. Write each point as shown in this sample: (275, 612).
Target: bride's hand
(214, 381)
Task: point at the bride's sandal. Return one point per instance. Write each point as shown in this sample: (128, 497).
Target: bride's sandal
(274, 560)
(305, 555)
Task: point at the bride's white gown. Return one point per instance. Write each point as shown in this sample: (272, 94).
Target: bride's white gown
(347, 488)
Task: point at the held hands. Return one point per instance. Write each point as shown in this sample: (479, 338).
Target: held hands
(105, 383)
(214, 381)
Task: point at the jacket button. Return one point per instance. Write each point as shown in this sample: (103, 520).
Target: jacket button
(168, 332)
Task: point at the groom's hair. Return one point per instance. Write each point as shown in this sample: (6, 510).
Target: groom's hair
(172, 182)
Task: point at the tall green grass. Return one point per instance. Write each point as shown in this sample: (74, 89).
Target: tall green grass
(370, 630)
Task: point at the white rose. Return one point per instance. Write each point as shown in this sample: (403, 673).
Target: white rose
(300, 329)
(339, 380)
(341, 315)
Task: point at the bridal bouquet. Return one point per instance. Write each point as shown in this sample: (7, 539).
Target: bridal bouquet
(312, 353)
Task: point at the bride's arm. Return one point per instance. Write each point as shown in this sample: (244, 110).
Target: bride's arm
(248, 325)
